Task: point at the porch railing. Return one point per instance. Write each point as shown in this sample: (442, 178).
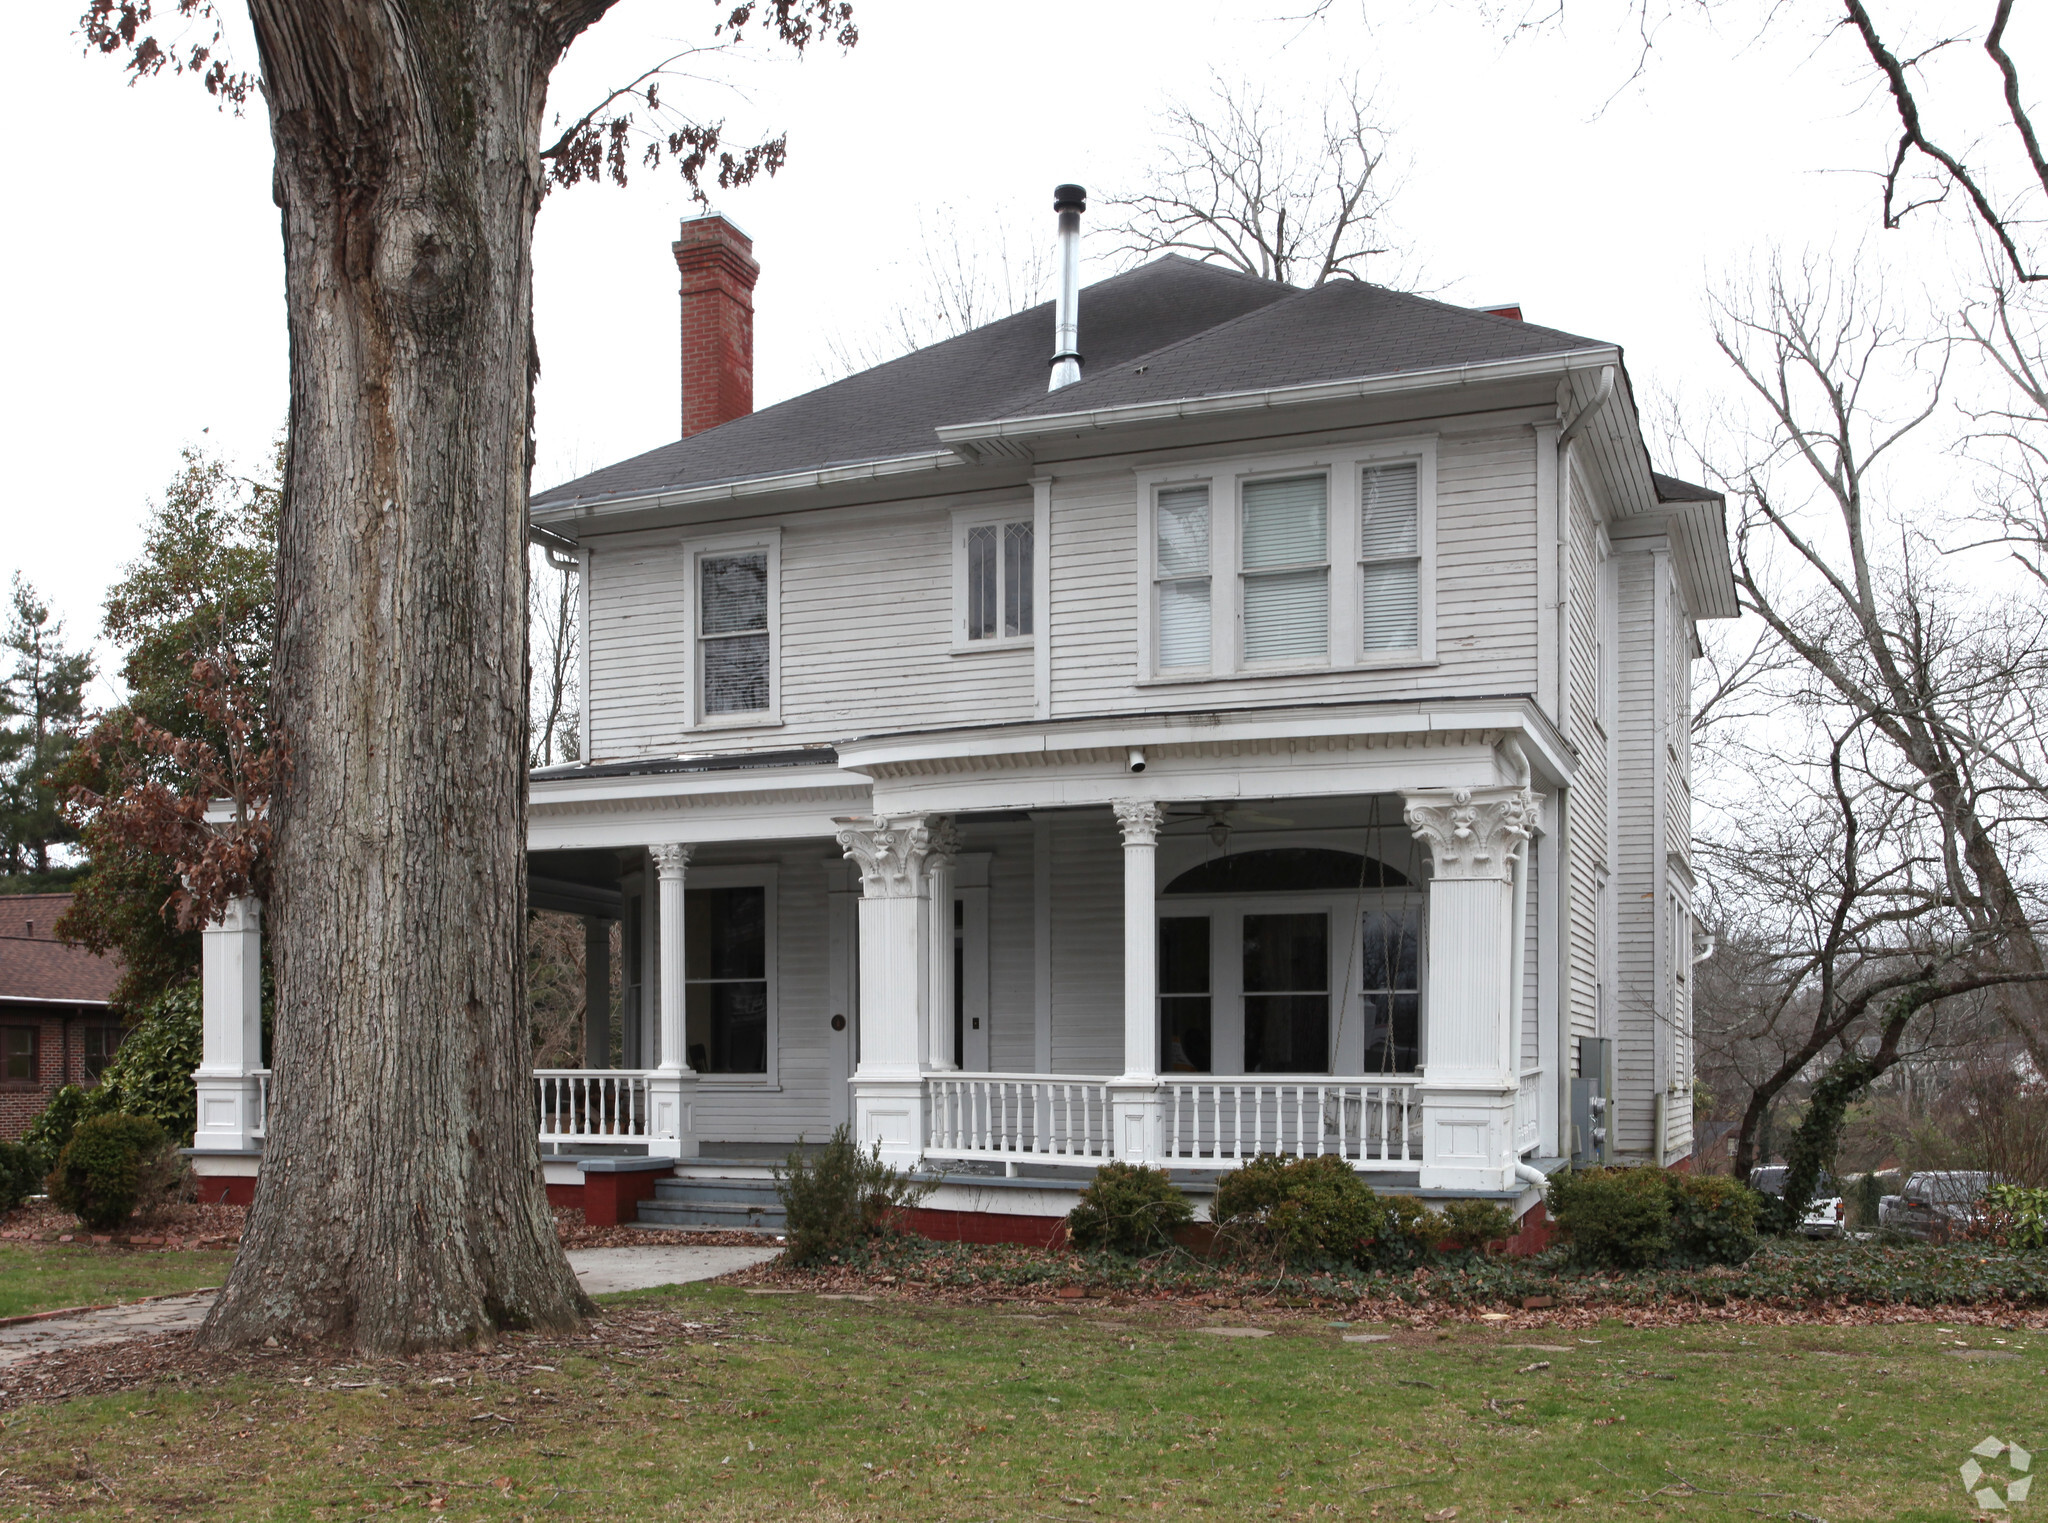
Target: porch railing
(1014, 1115)
(580, 1104)
(1529, 1112)
(262, 1124)
(1221, 1122)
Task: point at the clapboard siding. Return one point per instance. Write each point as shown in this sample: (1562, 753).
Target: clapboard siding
(1586, 832)
(639, 650)
(1011, 960)
(1640, 1008)
(1087, 943)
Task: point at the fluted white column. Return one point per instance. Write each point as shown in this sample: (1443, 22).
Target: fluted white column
(891, 852)
(1135, 1097)
(230, 1097)
(1468, 1087)
(672, 1086)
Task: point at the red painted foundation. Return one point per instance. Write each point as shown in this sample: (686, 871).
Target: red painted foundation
(567, 1196)
(609, 1199)
(1532, 1233)
(226, 1189)
(987, 1227)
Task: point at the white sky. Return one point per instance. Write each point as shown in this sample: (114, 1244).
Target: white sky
(146, 275)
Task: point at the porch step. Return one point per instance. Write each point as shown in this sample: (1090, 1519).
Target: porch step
(712, 1202)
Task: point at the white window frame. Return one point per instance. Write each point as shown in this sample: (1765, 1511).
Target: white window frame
(694, 553)
(761, 875)
(1226, 479)
(964, 519)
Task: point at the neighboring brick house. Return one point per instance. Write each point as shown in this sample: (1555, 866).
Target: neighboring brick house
(56, 1026)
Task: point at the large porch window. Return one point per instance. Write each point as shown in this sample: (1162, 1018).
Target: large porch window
(725, 951)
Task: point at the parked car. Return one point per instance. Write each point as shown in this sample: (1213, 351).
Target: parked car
(1826, 1214)
(1936, 1204)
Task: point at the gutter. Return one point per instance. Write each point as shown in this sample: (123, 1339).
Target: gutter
(751, 486)
(997, 432)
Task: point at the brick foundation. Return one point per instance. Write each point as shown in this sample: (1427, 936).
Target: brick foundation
(987, 1227)
(226, 1189)
(612, 1198)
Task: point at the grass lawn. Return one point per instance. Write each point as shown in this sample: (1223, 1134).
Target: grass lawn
(797, 1406)
(45, 1278)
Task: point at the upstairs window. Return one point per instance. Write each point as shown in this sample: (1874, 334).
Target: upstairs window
(1390, 557)
(735, 631)
(101, 1043)
(1181, 576)
(995, 576)
(1286, 571)
(18, 1054)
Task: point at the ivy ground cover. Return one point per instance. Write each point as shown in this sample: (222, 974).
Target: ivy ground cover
(713, 1402)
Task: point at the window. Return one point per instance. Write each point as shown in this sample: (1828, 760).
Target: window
(1185, 1011)
(17, 1054)
(1390, 556)
(1286, 994)
(1249, 568)
(101, 1043)
(732, 632)
(996, 580)
(725, 977)
(1286, 549)
(1393, 988)
(1181, 575)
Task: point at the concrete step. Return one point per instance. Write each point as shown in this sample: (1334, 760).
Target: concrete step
(713, 1214)
(749, 1192)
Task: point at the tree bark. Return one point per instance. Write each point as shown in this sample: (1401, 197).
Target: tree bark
(401, 1205)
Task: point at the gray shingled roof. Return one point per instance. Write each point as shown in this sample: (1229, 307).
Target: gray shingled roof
(892, 409)
(1168, 330)
(1342, 331)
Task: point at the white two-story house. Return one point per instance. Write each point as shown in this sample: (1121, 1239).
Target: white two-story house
(1272, 736)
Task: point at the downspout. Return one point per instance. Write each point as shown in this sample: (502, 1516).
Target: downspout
(1603, 393)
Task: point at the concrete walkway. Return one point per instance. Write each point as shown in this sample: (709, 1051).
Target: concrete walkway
(603, 1270)
(599, 1270)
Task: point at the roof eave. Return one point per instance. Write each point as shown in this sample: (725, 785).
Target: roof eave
(556, 515)
(1010, 435)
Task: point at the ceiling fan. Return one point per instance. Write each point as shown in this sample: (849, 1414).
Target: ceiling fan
(1220, 819)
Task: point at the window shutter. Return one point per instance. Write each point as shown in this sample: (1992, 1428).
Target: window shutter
(1286, 584)
(1390, 547)
(1182, 552)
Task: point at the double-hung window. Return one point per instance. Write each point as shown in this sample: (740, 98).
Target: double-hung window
(995, 561)
(734, 587)
(1181, 577)
(17, 1054)
(1285, 554)
(1390, 556)
(1290, 562)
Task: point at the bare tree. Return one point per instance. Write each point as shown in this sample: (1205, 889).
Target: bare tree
(1948, 683)
(970, 270)
(1272, 192)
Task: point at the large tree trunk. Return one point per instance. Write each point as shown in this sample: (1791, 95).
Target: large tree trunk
(401, 1204)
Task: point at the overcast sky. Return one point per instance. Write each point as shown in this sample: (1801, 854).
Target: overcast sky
(145, 276)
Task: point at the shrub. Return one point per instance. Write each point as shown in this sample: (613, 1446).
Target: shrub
(1618, 1218)
(839, 1197)
(1130, 1209)
(19, 1176)
(1313, 1210)
(1713, 1218)
(150, 1076)
(46, 1135)
(103, 1168)
(1472, 1224)
(2016, 1217)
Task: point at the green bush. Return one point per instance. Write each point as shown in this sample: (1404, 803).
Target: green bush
(1713, 1218)
(45, 1136)
(1130, 1209)
(19, 1175)
(1314, 1210)
(103, 1169)
(2016, 1218)
(1617, 1218)
(1472, 1224)
(839, 1197)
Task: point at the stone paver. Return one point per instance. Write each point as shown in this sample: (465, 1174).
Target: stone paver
(1236, 1332)
(603, 1270)
(115, 1325)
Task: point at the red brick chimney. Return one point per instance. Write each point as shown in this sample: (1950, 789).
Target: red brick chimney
(717, 263)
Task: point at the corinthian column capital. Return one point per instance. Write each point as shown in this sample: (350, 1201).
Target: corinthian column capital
(1473, 832)
(1139, 822)
(892, 852)
(670, 860)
